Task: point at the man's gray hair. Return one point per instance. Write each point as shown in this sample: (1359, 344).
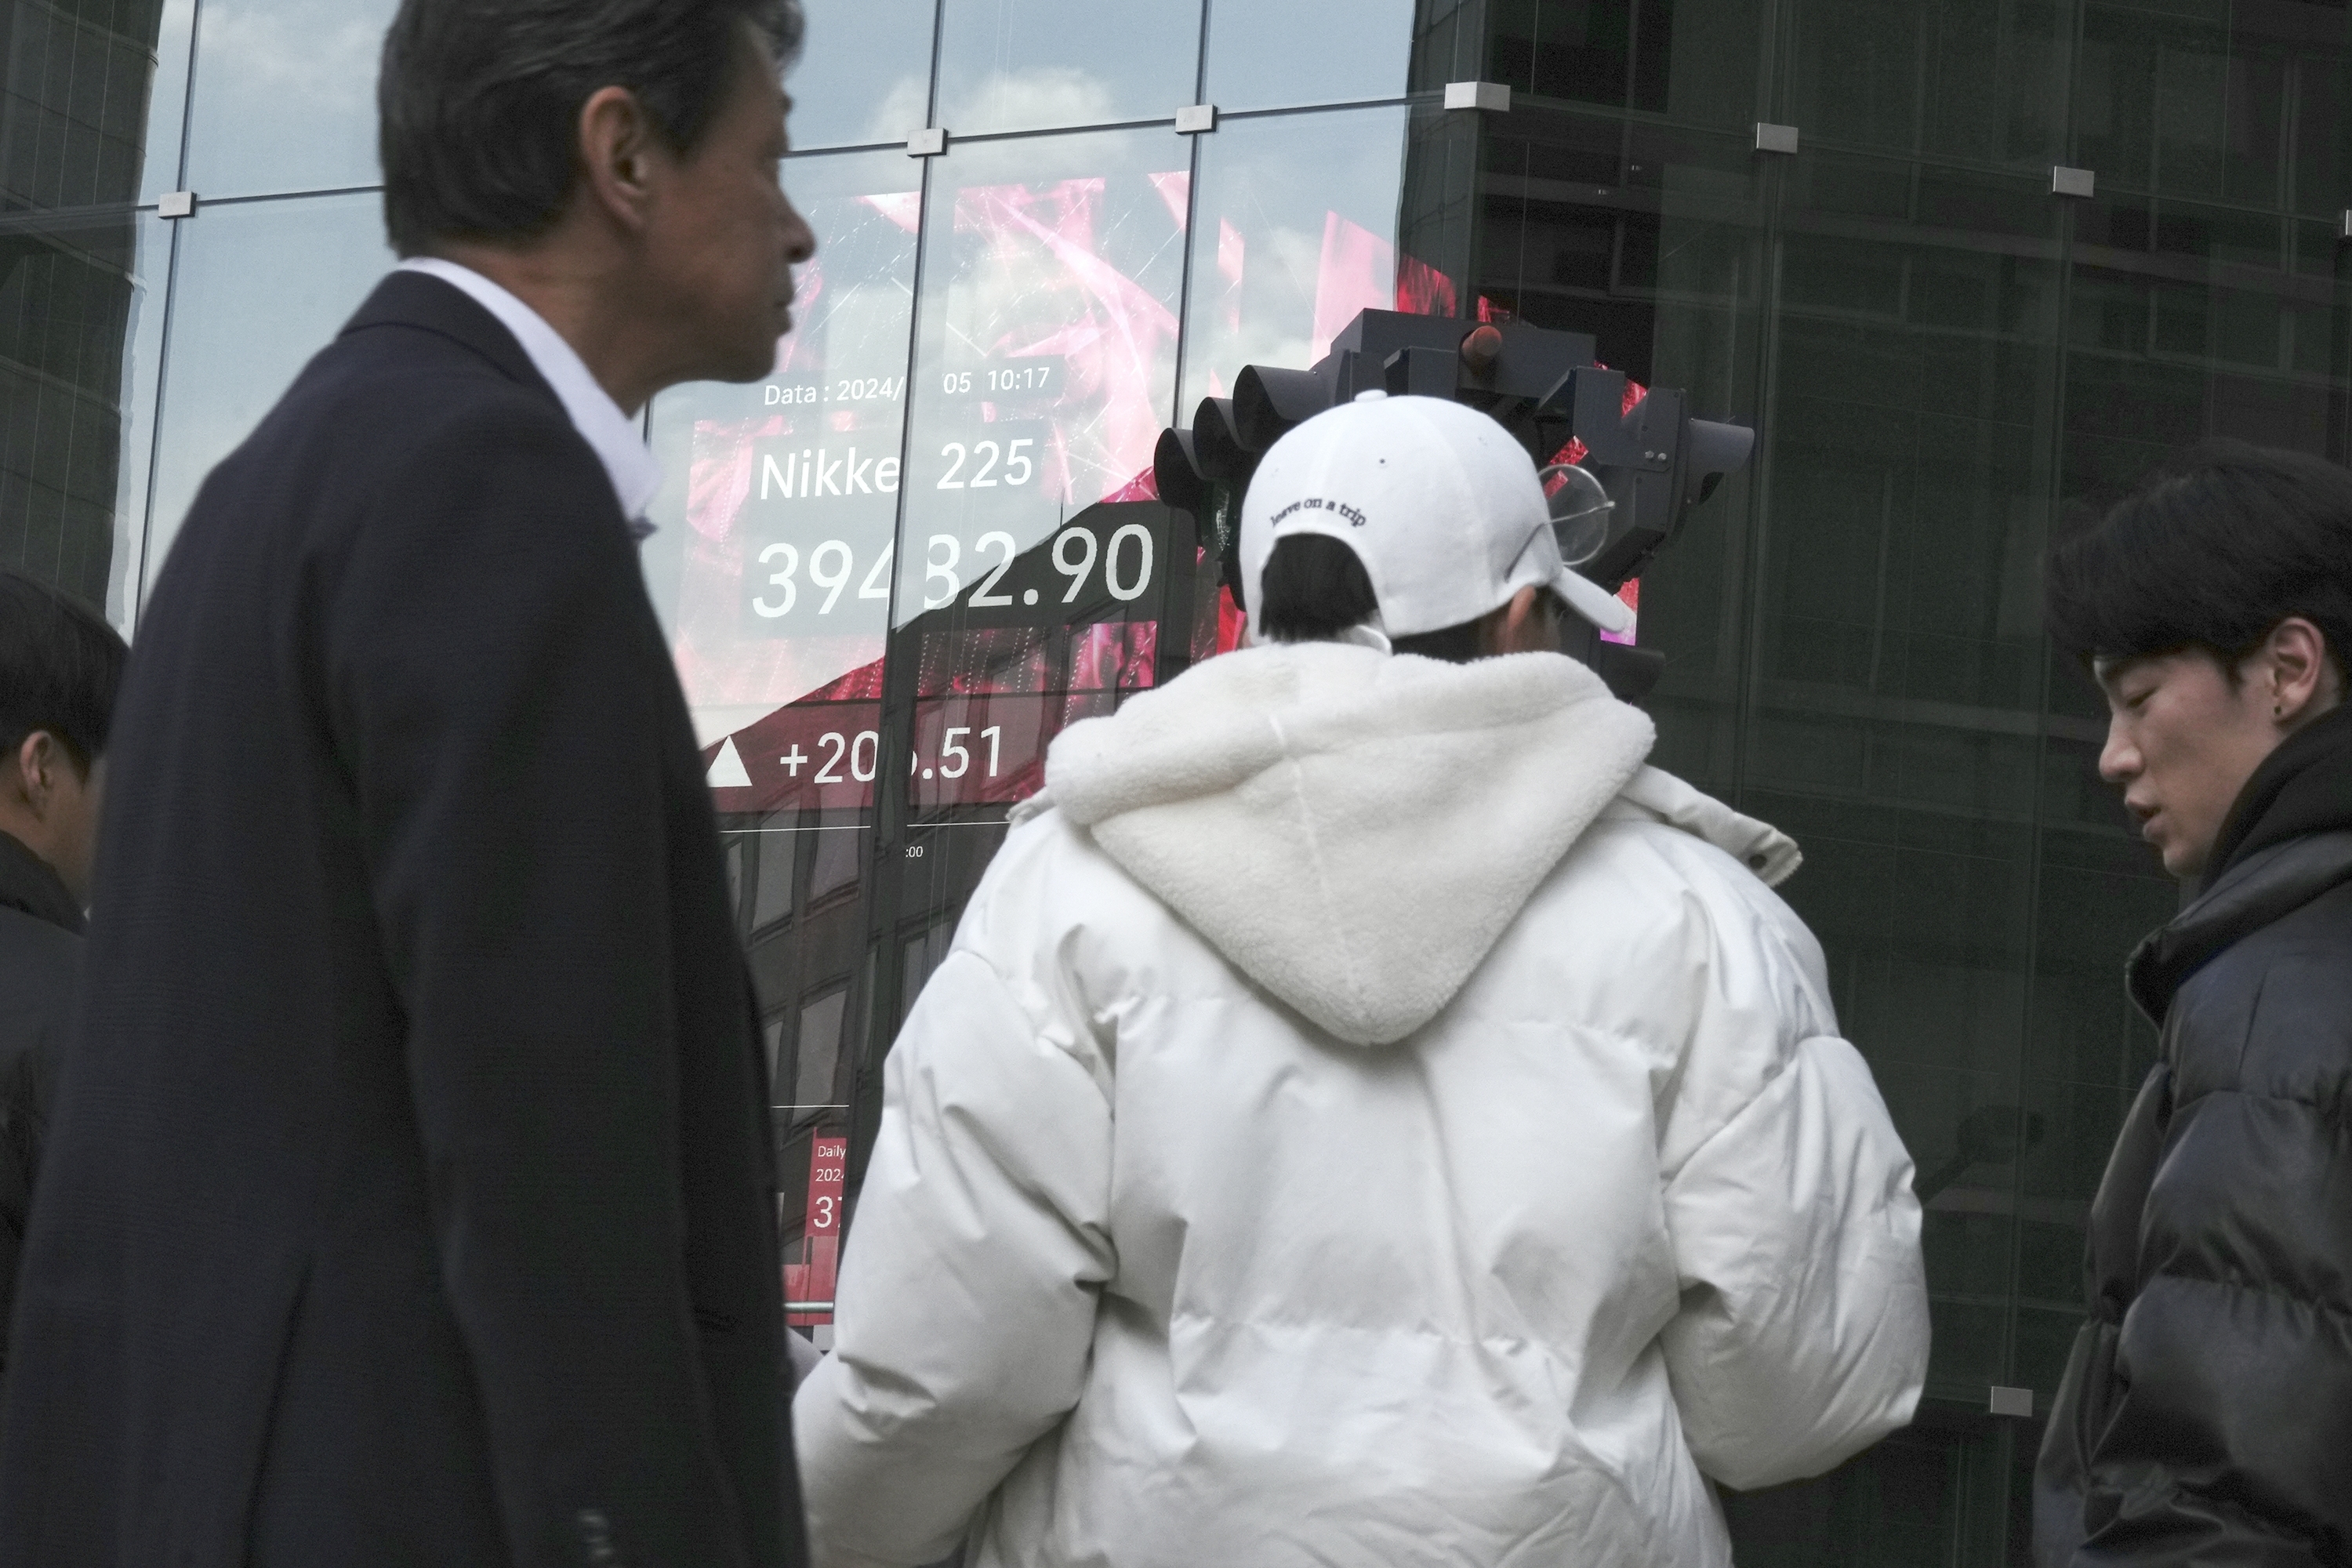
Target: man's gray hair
(478, 101)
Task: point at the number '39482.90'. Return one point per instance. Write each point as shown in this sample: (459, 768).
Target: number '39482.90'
(1126, 559)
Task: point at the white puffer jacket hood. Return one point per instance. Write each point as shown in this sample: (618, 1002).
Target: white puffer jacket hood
(1354, 831)
(1366, 1119)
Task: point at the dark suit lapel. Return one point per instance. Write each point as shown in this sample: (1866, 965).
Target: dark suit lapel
(421, 300)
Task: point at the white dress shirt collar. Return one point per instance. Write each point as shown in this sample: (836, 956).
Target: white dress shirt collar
(613, 436)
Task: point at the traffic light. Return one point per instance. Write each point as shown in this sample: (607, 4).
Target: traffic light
(1267, 403)
(1204, 470)
(1652, 459)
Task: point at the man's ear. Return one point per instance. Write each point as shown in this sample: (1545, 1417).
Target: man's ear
(617, 149)
(29, 776)
(2303, 676)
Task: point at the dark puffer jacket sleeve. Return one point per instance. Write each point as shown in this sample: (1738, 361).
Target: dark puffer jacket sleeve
(2222, 1431)
(40, 966)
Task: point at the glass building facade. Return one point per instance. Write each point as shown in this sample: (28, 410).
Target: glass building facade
(896, 569)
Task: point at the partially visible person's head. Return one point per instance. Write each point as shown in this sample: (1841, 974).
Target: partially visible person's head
(656, 124)
(60, 667)
(1315, 589)
(2213, 606)
(1416, 518)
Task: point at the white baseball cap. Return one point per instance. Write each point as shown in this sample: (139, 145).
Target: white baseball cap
(1439, 502)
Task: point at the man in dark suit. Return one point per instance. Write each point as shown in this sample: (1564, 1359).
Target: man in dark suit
(60, 667)
(410, 1197)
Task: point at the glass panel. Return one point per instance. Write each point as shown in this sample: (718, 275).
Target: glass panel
(1698, 61)
(1437, 209)
(1999, 81)
(2322, 139)
(771, 570)
(74, 87)
(777, 856)
(1024, 65)
(1450, 43)
(260, 287)
(1705, 263)
(2208, 105)
(2193, 108)
(80, 335)
(1648, 240)
(805, 943)
(1046, 359)
(284, 95)
(2113, 112)
(2189, 341)
(1273, 54)
(167, 104)
(840, 854)
(1297, 234)
(2253, 143)
(771, 567)
(864, 74)
(1045, 367)
(819, 1051)
(1564, 48)
(1897, 677)
(1883, 698)
(1981, 81)
(163, 34)
(922, 954)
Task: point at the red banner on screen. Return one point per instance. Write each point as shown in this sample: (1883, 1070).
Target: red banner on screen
(809, 1285)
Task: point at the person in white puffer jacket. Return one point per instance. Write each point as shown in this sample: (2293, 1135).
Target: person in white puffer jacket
(1367, 1118)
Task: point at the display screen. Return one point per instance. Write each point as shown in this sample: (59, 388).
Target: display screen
(1015, 648)
(945, 452)
(937, 460)
(1047, 343)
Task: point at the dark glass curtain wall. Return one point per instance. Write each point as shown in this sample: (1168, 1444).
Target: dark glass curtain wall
(1946, 361)
(76, 82)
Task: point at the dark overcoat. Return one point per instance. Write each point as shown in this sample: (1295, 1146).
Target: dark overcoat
(2206, 1413)
(40, 960)
(410, 1194)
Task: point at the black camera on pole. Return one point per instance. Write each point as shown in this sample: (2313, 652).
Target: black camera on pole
(1645, 462)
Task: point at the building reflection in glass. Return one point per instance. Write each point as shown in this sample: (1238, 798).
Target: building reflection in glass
(75, 267)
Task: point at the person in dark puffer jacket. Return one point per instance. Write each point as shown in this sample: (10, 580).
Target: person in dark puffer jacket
(2206, 1413)
(60, 668)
